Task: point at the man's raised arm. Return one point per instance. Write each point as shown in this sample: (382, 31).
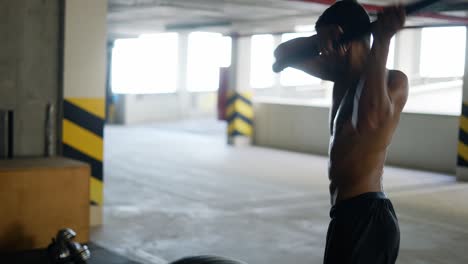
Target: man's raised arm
(377, 101)
(318, 66)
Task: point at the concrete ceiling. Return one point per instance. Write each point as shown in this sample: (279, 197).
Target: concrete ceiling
(130, 18)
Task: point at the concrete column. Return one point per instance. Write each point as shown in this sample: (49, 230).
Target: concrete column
(462, 160)
(110, 104)
(408, 52)
(235, 59)
(29, 73)
(85, 90)
(277, 81)
(239, 108)
(182, 93)
(241, 58)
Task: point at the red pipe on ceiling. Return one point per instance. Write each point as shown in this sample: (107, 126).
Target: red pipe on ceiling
(377, 8)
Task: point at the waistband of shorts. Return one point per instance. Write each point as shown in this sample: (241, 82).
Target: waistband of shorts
(343, 204)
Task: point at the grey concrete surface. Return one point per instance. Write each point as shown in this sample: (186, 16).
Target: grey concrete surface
(29, 68)
(174, 190)
(421, 141)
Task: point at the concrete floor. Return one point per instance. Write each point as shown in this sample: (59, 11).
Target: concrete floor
(174, 190)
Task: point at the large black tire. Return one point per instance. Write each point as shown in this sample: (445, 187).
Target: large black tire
(207, 260)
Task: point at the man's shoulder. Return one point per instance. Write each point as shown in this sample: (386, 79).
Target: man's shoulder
(398, 87)
(397, 79)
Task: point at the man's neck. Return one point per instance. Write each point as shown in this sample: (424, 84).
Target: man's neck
(350, 76)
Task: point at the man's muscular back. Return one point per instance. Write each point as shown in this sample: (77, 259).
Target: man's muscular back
(357, 156)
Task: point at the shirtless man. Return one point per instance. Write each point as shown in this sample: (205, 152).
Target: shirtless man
(366, 107)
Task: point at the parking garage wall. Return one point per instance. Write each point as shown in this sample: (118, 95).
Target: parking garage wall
(148, 108)
(422, 141)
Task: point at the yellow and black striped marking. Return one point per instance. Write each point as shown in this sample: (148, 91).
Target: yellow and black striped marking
(462, 159)
(83, 127)
(239, 114)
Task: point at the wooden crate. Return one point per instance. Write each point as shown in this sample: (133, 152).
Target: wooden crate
(40, 196)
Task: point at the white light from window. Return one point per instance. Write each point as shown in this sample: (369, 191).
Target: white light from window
(391, 54)
(145, 65)
(124, 56)
(293, 77)
(261, 61)
(443, 52)
(207, 52)
(304, 28)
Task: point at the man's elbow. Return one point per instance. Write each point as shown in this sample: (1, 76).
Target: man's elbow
(398, 90)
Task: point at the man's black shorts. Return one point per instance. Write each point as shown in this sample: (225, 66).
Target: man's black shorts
(363, 230)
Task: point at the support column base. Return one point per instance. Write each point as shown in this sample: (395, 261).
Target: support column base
(462, 174)
(95, 215)
(239, 141)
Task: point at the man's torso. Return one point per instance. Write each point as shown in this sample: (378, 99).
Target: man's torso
(356, 159)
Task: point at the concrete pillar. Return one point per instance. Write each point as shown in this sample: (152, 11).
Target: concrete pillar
(239, 108)
(85, 89)
(236, 61)
(408, 52)
(110, 104)
(29, 74)
(277, 76)
(462, 160)
(241, 58)
(182, 94)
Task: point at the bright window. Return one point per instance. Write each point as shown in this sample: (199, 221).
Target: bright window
(443, 52)
(207, 52)
(261, 60)
(293, 77)
(442, 66)
(391, 54)
(145, 65)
